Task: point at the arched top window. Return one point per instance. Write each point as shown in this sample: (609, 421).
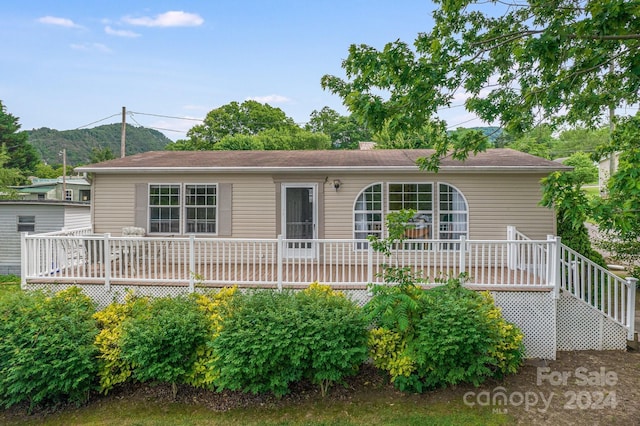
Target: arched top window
(441, 209)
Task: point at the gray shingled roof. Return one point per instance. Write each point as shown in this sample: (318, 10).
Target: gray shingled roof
(400, 159)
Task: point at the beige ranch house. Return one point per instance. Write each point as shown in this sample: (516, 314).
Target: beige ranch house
(319, 194)
(168, 223)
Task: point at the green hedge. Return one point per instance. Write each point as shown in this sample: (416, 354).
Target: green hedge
(47, 352)
(271, 339)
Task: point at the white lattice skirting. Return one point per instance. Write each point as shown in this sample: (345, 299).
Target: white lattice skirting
(581, 327)
(533, 312)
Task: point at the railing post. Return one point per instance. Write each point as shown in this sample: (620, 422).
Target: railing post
(107, 262)
(631, 306)
(192, 262)
(552, 265)
(280, 249)
(369, 263)
(511, 248)
(24, 258)
(463, 251)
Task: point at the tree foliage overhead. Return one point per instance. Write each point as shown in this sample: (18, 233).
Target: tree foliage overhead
(247, 118)
(85, 145)
(345, 132)
(520, 62)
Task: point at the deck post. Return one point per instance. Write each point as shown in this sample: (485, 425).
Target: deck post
(107, 262)
(463, 250)
(192, 263)
(23, 260)
(631, 306)
(369, 263)
(553, 265)
(512, 248)
(280, 249)
(558, 267)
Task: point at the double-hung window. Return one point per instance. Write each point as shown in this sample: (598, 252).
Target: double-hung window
(200, 208)
(183, 209)
(164, 209)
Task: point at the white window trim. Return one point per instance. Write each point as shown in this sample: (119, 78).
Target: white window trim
(183, 207)
(435, 205)
(382, 208)
(183, 211)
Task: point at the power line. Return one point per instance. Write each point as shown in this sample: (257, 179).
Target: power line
(167, 116)
(98, 121)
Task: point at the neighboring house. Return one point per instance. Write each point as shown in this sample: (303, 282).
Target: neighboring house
(606, 167)
(35, 217)
(319, 194)
(75, 188)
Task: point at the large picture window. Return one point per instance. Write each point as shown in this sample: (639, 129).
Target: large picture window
(441, 210)
(176, 209)
(367, 216)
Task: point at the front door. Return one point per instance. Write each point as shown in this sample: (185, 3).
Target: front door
(299, 221)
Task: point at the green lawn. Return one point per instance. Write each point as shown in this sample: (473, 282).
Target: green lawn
(391, 408)
(9, 284)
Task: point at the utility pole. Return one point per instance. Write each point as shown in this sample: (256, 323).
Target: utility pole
(123, 136)
(612, 113)
(64, 174)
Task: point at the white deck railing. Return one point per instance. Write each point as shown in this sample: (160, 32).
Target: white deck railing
(601, 289)
(103, 259)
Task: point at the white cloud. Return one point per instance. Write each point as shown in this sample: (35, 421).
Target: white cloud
(61, 22)
(173, 18)
(120, 33)
(91, 47)
(270, 99)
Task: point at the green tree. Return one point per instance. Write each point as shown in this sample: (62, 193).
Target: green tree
(579, 139)
(563, 191)
(619, 213)
(8, 177)
(537, 141)
(247, 118)
(46, 171)
(99, 155)
(520, 62)
(21, 155)
(583, 167)
(275, 139)
(344, 132)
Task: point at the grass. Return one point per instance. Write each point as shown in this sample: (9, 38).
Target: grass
(377, 409)
(9, 284)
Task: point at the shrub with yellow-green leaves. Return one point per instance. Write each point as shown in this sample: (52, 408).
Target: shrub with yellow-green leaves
(215, 305)
(112, 369)
(440, 337)
(387, 350)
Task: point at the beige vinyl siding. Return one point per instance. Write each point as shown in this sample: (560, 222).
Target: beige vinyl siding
(253, 201)
(495, 200)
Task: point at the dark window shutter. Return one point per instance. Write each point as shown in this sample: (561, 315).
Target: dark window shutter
(225, 201)
(142, 205)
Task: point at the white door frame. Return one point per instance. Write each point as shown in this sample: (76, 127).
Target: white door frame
(300, 249)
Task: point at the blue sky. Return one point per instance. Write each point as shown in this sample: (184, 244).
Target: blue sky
(70, 63)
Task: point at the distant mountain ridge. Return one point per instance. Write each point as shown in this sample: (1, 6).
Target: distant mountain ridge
(79, 143)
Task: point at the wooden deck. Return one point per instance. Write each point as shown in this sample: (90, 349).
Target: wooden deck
(293, 275)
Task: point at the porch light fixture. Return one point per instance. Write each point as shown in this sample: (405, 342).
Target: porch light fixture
(337, 184)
